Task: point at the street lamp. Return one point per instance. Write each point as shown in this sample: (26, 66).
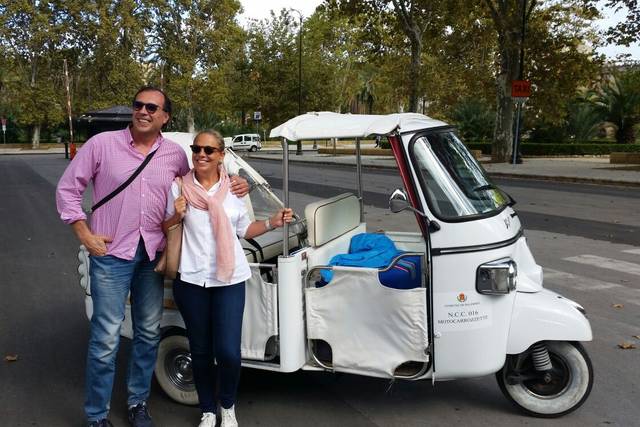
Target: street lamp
(299, 143)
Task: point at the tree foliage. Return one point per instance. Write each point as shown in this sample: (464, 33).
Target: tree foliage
(627, 31)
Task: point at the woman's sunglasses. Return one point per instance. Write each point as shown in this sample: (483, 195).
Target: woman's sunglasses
(151, 108)
(208, 150)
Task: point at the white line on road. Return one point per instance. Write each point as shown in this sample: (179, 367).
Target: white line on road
(581, 283)
(611, 264)
(632, 251)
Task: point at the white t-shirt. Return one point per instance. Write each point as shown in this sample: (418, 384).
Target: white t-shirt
(198, 257)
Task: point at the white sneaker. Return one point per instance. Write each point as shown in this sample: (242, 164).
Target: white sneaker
(208, 420)
(228, 417)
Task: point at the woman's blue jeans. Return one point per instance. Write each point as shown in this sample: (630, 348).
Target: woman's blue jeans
(111, 281)
(213, 317)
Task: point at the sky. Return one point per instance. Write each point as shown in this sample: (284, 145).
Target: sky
(259, 9)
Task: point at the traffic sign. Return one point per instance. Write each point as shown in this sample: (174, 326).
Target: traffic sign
(257, 116)
(520, 89)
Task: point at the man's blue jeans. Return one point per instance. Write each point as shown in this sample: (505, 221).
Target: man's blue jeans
(111, 280)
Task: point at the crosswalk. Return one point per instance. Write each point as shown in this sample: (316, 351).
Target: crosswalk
(627, 290)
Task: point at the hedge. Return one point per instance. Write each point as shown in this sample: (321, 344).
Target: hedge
(533, 149)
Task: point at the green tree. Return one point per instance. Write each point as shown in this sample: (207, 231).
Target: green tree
(627, 31)
(618, 102)
(31, 33)
(192, 41)
(417, 20)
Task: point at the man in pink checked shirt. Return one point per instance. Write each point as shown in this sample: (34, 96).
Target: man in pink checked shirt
(124, 239)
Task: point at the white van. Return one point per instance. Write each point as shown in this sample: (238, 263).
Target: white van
(247, 141)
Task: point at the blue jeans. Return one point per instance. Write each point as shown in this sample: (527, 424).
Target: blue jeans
(213, 317)
(111, 281)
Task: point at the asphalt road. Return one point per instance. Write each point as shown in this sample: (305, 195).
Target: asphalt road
(586, 237)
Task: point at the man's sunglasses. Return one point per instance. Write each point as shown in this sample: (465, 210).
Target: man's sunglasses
(151, 108)
(209, 150)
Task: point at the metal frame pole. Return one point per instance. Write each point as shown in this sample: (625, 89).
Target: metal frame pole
(516, 137)
(285, 194)
(359, 178)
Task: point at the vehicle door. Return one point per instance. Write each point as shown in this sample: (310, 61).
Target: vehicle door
(237, 142)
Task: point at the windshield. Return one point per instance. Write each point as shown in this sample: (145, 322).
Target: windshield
(455, 184)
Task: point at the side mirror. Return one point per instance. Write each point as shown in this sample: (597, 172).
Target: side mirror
(399, 202)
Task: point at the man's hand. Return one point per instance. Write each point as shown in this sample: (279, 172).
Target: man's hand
(96, 244)
(239, 186)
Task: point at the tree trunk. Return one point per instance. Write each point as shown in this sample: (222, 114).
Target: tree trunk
(191, 124)
(501, 150)
(414, 74)
(626, 134)
(35, 139)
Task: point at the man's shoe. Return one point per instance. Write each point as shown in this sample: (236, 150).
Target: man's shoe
(100, 423)
(208, 420)
(139, 415)
(228, 417)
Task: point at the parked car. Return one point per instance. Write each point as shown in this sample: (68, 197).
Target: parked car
(247, 141)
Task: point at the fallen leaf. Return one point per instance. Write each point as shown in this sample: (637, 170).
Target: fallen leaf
(11, 358)
(636, 337)
(626, 346)
(617, 306)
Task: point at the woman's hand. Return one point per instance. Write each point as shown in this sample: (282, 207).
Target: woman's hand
(280, 217)
(180, 205)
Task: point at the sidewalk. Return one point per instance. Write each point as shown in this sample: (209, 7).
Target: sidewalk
(587, 170)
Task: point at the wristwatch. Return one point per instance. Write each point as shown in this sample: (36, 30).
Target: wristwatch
(267, 224)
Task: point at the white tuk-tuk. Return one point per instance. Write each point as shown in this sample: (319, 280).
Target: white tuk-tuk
(463, 296)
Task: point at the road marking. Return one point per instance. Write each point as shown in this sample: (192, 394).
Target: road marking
(579, 282)
(587, 284)
(632, 251)
(611, 264)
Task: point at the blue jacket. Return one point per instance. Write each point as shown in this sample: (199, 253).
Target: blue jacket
(373, 250)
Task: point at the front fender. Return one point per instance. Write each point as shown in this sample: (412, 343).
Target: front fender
(545, 316)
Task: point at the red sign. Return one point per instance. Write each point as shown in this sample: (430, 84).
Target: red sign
(520, 89)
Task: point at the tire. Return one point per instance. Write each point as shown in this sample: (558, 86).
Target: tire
(173, 369)
(567, 388)
(253, 148)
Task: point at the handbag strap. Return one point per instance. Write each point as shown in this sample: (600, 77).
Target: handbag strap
(125, 184)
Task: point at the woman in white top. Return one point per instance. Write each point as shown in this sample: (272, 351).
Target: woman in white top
(209, 290)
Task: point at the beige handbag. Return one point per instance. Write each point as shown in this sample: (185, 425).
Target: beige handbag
(170, 259)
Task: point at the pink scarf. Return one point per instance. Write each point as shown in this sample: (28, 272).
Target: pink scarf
(220, 225)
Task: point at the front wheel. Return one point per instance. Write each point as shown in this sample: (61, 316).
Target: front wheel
(551, 393)
(174, 371)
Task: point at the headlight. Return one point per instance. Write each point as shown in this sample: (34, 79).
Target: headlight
(497, 277)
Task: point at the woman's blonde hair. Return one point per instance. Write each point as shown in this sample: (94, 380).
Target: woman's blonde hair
(214, 133)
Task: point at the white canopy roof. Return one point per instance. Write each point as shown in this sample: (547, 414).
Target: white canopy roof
(325, 125)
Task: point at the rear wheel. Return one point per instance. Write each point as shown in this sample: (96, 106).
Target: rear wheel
(253, 148)
(550, 393)
(173, 369)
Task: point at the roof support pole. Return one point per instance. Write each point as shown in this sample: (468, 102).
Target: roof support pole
(285, 194)
(359, 178)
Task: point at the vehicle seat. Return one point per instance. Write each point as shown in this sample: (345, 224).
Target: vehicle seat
(331, 223)
(328, 219)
